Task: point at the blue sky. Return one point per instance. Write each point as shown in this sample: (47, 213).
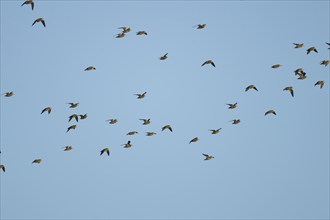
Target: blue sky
(266, 167)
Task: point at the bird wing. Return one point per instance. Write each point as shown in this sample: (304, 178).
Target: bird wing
(43, 23)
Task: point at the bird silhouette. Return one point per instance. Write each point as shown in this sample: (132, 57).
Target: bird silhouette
(311, 49)
(29, 2)
(289, 88)
(325, 62)
(125, 29)
(199, 26)
(141, 33)
(150, 133)
(141, 96)
(251, 87)
(127, 145)
(67, 148)
(164, 57)
(167, 127)
(208, 62)
(8, 94)
(235, 121)
(120, 35)
(3, 167)
(208, 157)
(75, 116)
(37, 161)
(40, 20)
(90, 68)
(71, 127)
(232, 106)
(297, 45)
(47, 109)
(84, 116)
(132, 133)
(73, 105)
(271, 111)
(215, 131)
(105, 150)
(275, 66)
(112, 121)
(194, 140)
(146, 121)
(320, 83)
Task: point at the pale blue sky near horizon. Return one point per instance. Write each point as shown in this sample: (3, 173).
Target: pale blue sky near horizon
(266, 167)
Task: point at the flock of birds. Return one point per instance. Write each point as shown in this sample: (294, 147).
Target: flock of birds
(298, 72)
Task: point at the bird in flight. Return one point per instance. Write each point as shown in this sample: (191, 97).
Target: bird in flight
(146, 121)
(132, 133)
(271, 111)
(29, 2)
(302, 75)
(120, 35)
(37, 161)
(289, 88)
(194, 140)
(112, 121)
(84, 116)
(141, 33)
(75, 116)
(325, 62)
(320, 83)
(232, 106)
(311, 49)
(235, 121)
(167, 127)
(208, 157)
(67, 148)
(298, 45)
(90, 68)
(328, 45)
(105, 150)
(8, 94)
(150, 133)
(3, 167)
(164, 57)
(71, 127)
(275, 66)
(141, 96)
(208, 62)
(73, 105)
(215, 131)
(199, 26)
(125, 29)
(299, 70)
(251, 87)
(127, 145)
(40, 20)
(47, 109)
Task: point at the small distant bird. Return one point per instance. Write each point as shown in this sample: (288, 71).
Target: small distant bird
(194, 140)
(75, 116)
(37, 161)
(298, 45)
(141, 33)
(311, 49)
(47, 109)
(302, 75)
(150, 133)
(40, 20)
(232, 106)
(105, 150)
(251, 87)
(120, 35)
(29, 2)
(325, 62)
(289, 88)
(235, 121)
(275, 66)
(67, 148)
(112, 121)
(271, 111)
(167, 127)
(141, 96)
(127, 145)
(3, 167)
(132, 133)
(71, 127)
(215, 131)
(164, 57)
(200, 26)
(146, 121)
(299, 70)
(328, 45)
(73, 105)
(125, 29)
(83, 116)
(320, 83)
(208, 157)
(90, 68)
(208, 62)
(8, 94)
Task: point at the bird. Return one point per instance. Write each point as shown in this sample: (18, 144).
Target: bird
(289, 88)
(320, 83)
(150, 133)
(125, 29)
(325, 62)
(71, 127)
(299, 70)
(141, 33)
(200, 26)
(132, 133)
(146, 121)
(208, 62)
(67, 148)
(297, 45)
(208, 157)
(84, 116)
(3, 167)
(302, 75)
(105, 150)
(8, 94)
(37, 161)
(75, 116)
(235, 121)
(251, 87)
(271, 111)
(47, 109)
(311, 49)
(232, 106)
(40, 20)
(275, 66)
(328, 45)
(194, 140)
(29, 2)
(120, 35)
(90, 68)
(127, 145)
(141, 96)
(167, 127)
(164, 57)
(73, 105)
(112, 121)
(215, 131)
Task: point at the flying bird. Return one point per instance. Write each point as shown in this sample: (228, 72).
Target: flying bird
(325, 62)
(298, 45)
(164, 57)
(105, 150)
(40, 20)
(232, 106)
(299, 70)
(167, 127)
(194, 140)
(67, 148)
(215, 131)
(37, 161)
(75, 116)
(141, 96)
(208, 157)
(251, 87)
(302, 75)
(328, 44)
(275, 66)
(112, 121)
(8, 94)
(90, 68)
(3, 167)
(125, 29)
(47, 109)
(71, 127)
(311, 49)
(235, 121)
(208, 62)
(146, 121)
(127, 145)
(271, 111)
(73, 105)
(289, 88)
(29, 2)
(120, 35)
(320, 83)
(200, 26)
(83, 116)
(132, 133)
(150, 133)
(141, 33)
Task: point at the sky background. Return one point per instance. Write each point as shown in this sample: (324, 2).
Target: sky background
(266, 167)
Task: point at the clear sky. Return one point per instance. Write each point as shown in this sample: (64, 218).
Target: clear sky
(266, 167)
